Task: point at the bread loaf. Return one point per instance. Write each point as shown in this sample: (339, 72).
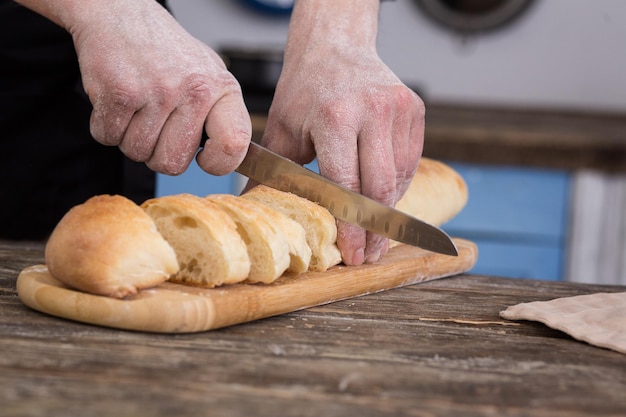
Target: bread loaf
(109, 246)
(267, 247)
(436, 194)
(299, 250)
(319, 225)
(209, 249)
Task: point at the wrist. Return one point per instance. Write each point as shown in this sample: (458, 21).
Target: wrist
(326, 26)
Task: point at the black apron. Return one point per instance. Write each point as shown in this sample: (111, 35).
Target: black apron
(48, 160)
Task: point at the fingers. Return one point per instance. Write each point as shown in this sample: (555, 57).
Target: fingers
(229, 129)
(378, 175)
(177, 141)
(409, 139)
(112, 113)
(280, 141)
(164, 128)
(351, 243)
(390, 146)
(145, 127)
(376, 155)
(336, 142)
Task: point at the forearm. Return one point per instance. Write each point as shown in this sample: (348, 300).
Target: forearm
(62, 12)
(323, 25)
(72, 15)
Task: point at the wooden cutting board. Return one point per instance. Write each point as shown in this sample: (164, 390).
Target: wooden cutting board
(176, 308)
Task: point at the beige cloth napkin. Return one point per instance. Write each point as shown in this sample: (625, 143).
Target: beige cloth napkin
(598, 319)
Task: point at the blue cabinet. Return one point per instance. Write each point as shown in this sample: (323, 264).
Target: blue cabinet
(196, 181)
(518, 217)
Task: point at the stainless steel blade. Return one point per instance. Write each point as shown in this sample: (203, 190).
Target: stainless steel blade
(278, 172)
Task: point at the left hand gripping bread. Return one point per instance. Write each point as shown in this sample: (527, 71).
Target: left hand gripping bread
(109, 246)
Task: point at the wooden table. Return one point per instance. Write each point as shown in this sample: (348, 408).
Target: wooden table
(436, 348)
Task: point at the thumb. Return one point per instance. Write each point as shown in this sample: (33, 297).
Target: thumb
(229, 131)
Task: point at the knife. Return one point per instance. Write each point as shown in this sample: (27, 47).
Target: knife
(273, 170)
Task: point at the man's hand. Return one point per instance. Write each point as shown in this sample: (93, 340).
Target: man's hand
(154, 87)
(336, 99)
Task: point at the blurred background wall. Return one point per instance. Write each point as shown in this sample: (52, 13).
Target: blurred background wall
(560, 53)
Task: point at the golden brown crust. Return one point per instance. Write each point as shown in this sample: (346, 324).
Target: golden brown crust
(109, 246)
(436, 194)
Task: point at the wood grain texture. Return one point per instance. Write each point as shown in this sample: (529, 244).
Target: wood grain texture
(175, 308)
(438, 348)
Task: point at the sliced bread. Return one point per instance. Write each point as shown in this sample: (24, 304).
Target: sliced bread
(208, 246)
(319, 225)
(267, 247)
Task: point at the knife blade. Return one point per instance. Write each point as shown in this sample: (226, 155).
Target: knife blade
(273, 170)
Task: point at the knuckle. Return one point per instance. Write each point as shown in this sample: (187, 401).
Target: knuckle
(403, 179)
(197, 86)
(201, 87)
(98, 132)
(171, 159)
(339, 115)
(235, 148)
(400, 99)
(109, 134)
(124, 97)
(408, 100)
(161, 95)
(353, 184)
(111, 112)
(380, 102)
(386, 192)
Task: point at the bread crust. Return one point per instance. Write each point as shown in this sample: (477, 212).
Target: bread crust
(437, 193)
(109, 246)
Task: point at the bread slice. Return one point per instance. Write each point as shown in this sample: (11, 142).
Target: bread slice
(319, 225)
(436, 194)
(109, 246)
(209, 249)
(268, 249)
(299, 250)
